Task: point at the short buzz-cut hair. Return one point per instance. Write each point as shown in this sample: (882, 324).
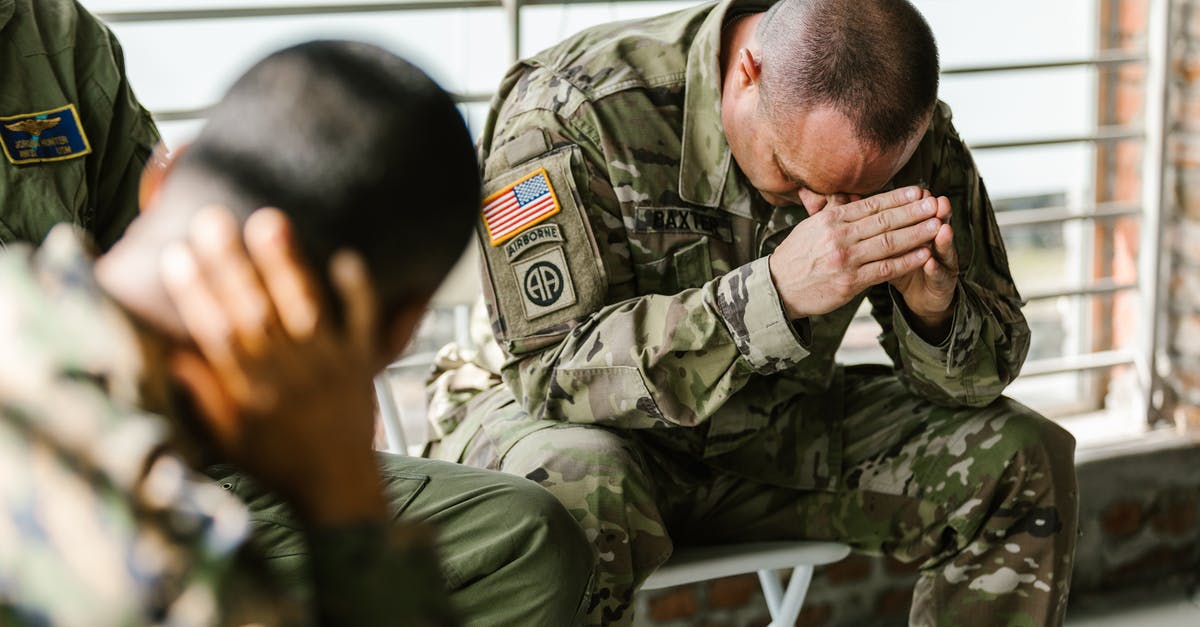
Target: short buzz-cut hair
(874, 61)
(361, 150)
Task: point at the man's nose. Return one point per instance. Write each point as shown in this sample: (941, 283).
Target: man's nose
(812, 202)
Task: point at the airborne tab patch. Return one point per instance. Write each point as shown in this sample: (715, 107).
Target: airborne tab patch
(524, 203)
(53, 135)
(543, 234)
(545, 283)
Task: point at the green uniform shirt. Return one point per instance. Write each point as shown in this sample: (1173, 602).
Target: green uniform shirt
(55, 56)
(101, 523)
(625, 263)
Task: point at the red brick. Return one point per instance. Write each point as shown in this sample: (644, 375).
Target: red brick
(1187, 419)
(676, 604)
(851, 569)
(896, 567)
(894, 602)
(1152, 565)
(815, 615)
(1122, 518)
(732, 592)
(1176, 513)
(1131, 17)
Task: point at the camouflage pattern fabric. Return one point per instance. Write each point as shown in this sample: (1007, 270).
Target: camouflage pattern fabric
(647, 356)
(103, 523)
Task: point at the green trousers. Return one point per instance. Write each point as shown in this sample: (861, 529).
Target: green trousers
(983, 498)
(511, 554)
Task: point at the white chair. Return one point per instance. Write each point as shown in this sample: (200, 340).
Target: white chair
(693, 564)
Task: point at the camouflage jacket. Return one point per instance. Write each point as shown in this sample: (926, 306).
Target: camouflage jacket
(74, 136)
(625, 262)
(102, 523)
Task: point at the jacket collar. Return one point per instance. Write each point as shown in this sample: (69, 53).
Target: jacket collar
(705, 158)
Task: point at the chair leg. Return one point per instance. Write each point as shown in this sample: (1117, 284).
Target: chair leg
(772, 590)
(389, 415)
(787, 611)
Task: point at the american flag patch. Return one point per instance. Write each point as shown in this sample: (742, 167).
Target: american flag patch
(519, 206)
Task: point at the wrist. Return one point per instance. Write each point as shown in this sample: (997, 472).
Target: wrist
(790, 309)
(932, 326)
(343, 494)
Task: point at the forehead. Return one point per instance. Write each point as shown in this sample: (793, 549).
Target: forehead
(820, 149)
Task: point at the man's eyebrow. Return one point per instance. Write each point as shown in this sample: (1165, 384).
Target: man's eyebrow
(795, 179)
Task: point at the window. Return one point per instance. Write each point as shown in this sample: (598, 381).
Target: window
(1050, 95)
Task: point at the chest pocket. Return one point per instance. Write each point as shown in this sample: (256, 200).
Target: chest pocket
(685, 267)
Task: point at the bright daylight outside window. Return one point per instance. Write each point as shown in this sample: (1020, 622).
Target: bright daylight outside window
(1048, 94)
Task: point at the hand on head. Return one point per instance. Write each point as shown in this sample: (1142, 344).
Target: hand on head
(285, 393)
(902, 236)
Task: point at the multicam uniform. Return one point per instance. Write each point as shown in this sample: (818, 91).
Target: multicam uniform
(652, 381)
(74, 136)
(103, 523)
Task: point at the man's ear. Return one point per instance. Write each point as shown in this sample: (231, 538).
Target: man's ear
(157, 167)
(749, 67)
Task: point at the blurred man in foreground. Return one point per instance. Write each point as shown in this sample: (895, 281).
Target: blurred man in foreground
(118, 379)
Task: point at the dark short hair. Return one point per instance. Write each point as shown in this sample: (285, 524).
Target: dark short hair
(874, 61)
(359, 147)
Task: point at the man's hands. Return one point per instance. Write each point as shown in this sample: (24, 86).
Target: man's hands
(285, 395)
(929, 290)
(902, 236)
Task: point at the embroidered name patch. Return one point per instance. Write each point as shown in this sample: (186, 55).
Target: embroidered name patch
(543, 234)
(524, 203)
(677, 220)
(545, 283)
(53, 135)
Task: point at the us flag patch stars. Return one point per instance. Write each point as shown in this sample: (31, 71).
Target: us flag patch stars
(522, 204)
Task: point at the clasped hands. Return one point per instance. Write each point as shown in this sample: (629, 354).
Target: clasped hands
(902, 237)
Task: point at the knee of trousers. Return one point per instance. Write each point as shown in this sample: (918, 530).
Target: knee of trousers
(600, 476)
(577, 461)
(1032, 450)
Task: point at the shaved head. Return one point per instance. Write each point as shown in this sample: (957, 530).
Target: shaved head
(874, 61)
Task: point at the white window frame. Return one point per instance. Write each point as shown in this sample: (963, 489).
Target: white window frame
(1148, 358)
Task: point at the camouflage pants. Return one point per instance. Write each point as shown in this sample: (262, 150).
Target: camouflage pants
(984, 499)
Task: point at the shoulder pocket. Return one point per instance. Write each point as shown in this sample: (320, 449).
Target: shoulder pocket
(540, 261)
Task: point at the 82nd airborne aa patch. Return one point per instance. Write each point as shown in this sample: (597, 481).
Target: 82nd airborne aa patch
(545, 283)
(53, 135)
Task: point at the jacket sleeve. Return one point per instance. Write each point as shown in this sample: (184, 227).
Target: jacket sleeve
(989, 337)
(121, 143)
(614, 356)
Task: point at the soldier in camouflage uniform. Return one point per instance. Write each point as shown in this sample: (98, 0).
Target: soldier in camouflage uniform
(672, 253)
(103, 519)
(74, 138)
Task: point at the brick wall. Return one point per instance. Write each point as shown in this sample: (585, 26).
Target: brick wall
(1183, 220)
